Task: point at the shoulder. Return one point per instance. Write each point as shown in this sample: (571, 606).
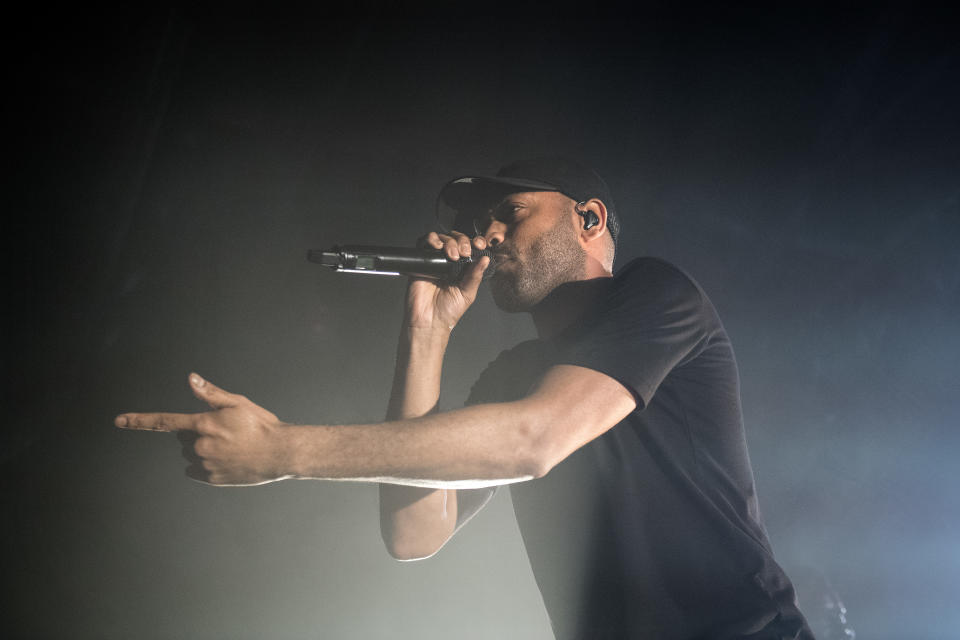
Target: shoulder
(653, 319)
(652, 273)
(654, 283)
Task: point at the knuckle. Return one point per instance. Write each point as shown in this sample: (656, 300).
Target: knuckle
(432, 239)
(203, 424)
(202, 447)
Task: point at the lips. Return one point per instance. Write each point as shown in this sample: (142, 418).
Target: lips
(500, 262)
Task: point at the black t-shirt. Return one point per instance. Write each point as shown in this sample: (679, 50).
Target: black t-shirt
(651, 530)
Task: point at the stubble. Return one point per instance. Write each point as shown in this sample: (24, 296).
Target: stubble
(554, 258)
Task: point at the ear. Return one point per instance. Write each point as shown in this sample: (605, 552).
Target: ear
(588, 237)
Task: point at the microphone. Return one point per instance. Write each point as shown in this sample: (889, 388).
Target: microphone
(394, 261)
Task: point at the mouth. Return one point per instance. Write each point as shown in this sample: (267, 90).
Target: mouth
(501, 262)
(503, 266)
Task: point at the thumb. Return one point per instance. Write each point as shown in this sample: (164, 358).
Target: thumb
(472, 278)
(213, 395)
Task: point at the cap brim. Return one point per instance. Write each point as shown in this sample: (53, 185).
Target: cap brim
(470, 191)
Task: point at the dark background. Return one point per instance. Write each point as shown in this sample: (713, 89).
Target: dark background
(169, 169)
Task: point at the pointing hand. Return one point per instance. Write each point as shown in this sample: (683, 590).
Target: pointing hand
(236, 443)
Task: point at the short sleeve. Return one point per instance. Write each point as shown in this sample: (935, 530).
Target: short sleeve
(653, 319)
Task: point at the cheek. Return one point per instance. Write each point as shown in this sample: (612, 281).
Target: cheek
(521, 239)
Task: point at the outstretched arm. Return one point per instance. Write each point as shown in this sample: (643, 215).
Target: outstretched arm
(240, 443)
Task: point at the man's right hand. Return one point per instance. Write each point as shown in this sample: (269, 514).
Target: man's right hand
(436, 305)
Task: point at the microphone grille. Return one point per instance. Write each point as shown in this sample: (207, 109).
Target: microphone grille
(476, 254)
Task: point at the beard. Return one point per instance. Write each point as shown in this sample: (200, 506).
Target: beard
(554, 258)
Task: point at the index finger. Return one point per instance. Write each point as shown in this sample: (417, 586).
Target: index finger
(432, 239)
(435, 238)
(156, 421)
(454, 243)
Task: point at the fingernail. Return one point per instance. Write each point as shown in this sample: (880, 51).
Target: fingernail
(197, 381)
(120, 421)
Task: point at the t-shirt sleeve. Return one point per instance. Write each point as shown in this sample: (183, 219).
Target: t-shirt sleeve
(654, 320)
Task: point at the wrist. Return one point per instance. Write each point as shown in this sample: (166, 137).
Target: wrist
(432, 337)
(293, 447)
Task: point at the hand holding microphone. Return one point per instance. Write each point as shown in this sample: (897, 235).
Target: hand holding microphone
(445, 271)
(424, 262)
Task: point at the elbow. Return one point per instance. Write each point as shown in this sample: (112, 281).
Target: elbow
(537, 452)
(413, 525)
(409, 546)
(534, 464)
(408, 551)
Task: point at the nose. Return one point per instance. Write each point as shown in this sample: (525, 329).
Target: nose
(494, 233)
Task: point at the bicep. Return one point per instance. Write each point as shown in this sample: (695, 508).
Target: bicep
(572, 405)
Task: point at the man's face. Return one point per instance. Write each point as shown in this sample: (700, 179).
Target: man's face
(538, 247)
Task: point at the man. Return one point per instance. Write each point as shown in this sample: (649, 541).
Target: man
(618, 429)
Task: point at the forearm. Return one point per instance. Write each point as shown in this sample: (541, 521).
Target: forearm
(482, 445)
(416, 381)
(414, 521)
(417, 521)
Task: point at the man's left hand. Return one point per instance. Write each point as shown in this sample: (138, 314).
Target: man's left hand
(237, 443)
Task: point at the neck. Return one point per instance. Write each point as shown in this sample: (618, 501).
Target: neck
(566, 304)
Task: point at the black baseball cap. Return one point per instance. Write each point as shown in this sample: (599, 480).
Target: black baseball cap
(548, 173)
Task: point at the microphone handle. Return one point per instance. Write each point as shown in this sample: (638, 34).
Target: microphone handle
(379, 260)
